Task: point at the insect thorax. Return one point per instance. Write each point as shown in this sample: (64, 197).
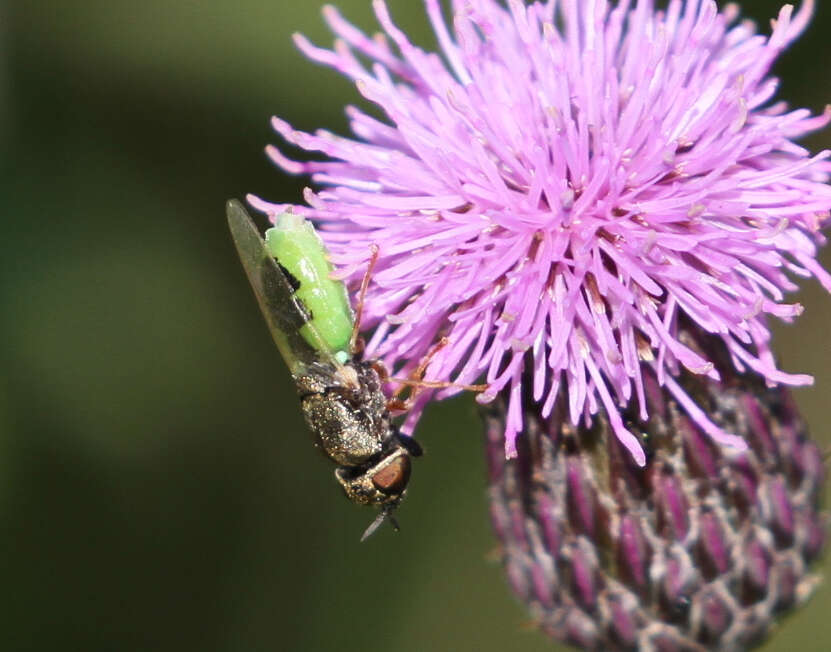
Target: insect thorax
(346, 411)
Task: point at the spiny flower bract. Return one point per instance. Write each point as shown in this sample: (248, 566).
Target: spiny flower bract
(561, 186)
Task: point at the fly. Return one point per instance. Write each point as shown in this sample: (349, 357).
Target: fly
(312, 323)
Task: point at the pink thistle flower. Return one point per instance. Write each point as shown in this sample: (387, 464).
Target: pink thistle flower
(559, 188)
(599, 207)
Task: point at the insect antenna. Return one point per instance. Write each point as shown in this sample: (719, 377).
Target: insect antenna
(384, 515)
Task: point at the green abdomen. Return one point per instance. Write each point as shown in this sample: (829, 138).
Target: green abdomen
(299, 250)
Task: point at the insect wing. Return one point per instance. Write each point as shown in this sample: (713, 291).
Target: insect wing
(283, 311)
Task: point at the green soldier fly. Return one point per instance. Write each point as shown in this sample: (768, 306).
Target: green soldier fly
(341, 397)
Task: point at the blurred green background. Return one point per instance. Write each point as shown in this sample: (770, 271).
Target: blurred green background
(158, 490)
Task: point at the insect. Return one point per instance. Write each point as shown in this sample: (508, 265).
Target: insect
(312, 323)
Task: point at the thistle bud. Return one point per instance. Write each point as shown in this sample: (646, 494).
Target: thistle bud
(700, 549)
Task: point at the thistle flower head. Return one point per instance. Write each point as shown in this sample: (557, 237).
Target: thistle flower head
(561, 186)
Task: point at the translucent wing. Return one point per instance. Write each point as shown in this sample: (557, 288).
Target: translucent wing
(283, 311)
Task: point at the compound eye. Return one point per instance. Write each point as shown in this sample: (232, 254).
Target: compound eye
(392, 478)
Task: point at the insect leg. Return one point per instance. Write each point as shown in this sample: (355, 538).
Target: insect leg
(416, 382)
(359, 308)
(415, 378)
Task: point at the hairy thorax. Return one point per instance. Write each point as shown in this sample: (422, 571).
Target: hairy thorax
(346, 410)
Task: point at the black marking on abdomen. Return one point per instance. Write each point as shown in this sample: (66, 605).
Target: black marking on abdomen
(295, 284)
(287, 320)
